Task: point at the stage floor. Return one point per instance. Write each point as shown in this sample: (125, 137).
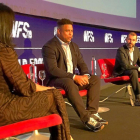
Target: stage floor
(124, 120)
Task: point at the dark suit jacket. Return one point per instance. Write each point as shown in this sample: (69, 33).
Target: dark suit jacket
(55, 60)
(123, 60)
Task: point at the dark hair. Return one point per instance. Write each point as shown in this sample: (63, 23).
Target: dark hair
(133, 34)
(7, 19)
(63, 21)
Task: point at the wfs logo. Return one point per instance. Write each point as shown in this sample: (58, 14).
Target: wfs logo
(22, 28)
(138, 39)
(88, 36)
(108, 38)
(123, 38)
(55, 30)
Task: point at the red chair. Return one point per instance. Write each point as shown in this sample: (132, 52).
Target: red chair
(29, 125)
(81, 92)
(41, 67)
(106, 67)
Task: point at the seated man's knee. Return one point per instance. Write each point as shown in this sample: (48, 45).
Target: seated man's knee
(94, 78)
(69, 83)
(133, 72)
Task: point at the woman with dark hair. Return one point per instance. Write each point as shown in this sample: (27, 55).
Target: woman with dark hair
(28, 100)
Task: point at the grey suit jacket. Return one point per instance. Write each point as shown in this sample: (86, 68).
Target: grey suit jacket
(123, 60)
(55, 60)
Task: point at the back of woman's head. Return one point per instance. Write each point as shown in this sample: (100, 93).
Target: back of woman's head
(7, 19)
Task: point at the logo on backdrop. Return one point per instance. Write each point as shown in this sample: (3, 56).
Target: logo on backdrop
(108, 38)
(138, 39)
(29, 61)
(123, 38)
(88, 36)
(21, 28)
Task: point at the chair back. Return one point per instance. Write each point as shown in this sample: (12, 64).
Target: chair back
(39, 67)
(26, 68)
(106, 66)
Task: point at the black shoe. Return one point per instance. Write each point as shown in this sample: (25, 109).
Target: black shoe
(99, 119)
(137, 102)
(94, 125)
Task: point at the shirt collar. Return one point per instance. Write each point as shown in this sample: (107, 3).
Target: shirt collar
(131, 50)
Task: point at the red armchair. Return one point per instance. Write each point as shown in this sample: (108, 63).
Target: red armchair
(41, 67)
(29, 125)
(106, 67)
(81, 92)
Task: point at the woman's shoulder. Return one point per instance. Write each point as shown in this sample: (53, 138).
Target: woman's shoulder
(5, 47)
(2, 45)
(7, 51)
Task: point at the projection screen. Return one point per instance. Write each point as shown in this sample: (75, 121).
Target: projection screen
(121, 14)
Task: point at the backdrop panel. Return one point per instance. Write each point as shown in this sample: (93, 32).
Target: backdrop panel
(30, 33)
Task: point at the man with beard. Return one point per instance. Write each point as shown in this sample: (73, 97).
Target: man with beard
(128, 63)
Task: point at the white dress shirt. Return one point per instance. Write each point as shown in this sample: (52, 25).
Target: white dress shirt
(67, 51)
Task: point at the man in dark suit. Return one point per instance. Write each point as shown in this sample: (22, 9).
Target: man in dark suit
(61, 56)
(128, 62)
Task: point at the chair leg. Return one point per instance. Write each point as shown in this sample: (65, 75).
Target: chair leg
(37, 136)
(33, 136)
(112, 94)
(68, 103)
(131, 96)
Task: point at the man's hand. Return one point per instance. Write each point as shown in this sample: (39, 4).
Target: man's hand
(139, 69)
(81, 79)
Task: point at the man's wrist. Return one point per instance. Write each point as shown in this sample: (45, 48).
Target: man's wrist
(88, 75)
(73, 76)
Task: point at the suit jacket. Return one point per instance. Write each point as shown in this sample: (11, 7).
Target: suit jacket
(55, 60)
(123, 60)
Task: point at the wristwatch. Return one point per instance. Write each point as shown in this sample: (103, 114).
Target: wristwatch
(88, 76)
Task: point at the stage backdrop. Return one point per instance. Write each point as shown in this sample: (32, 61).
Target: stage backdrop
(30, 33)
